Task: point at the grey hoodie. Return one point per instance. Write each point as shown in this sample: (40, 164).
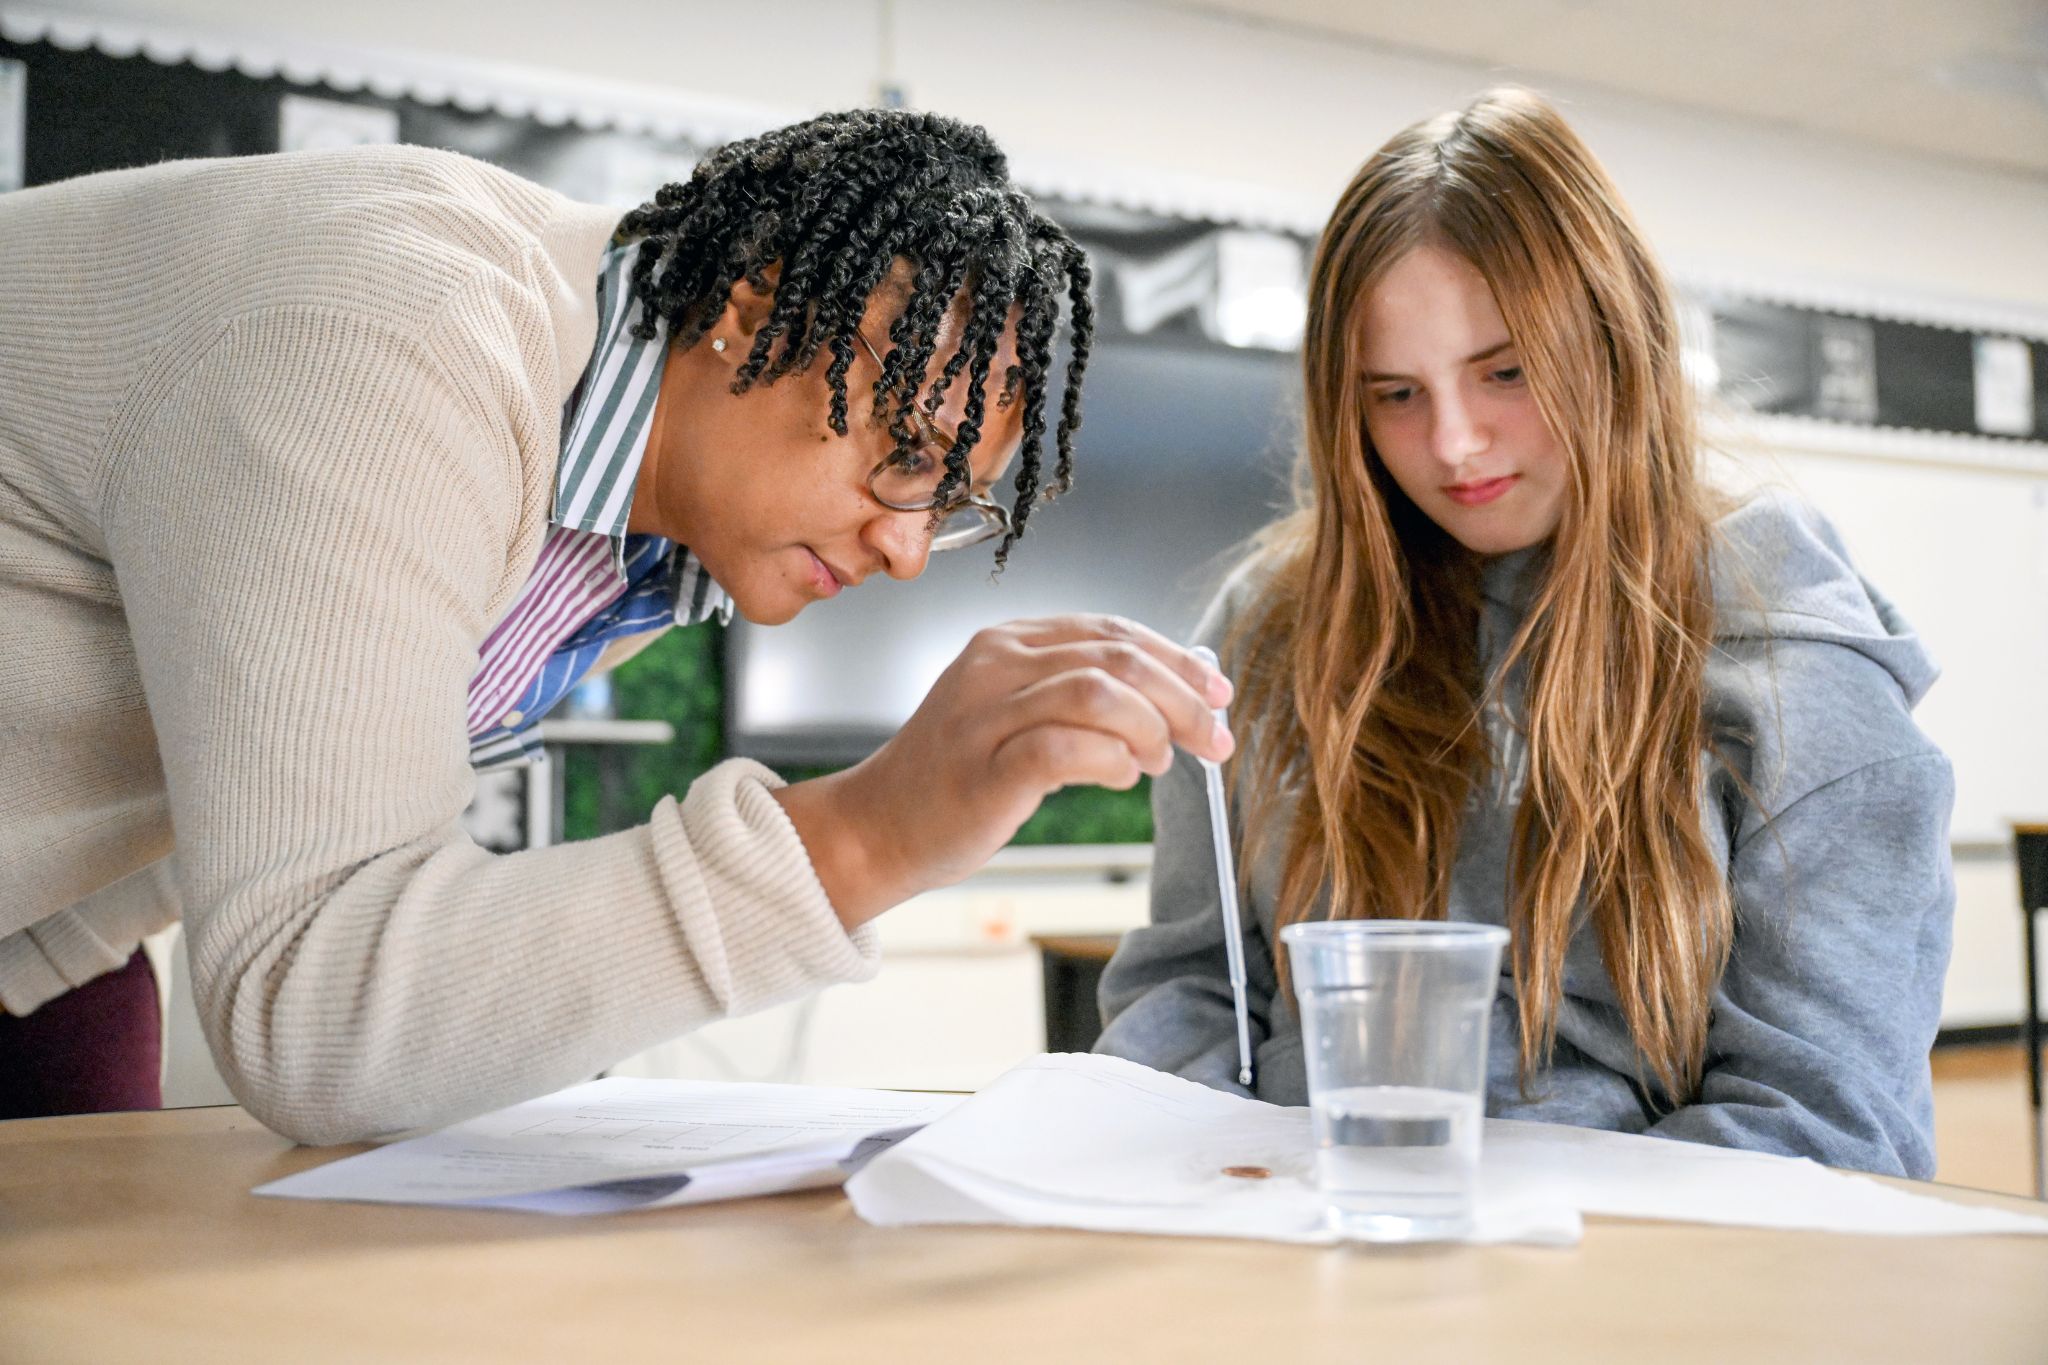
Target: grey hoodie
(1844, 901)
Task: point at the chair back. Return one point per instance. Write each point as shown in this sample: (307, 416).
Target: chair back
(2030, 845)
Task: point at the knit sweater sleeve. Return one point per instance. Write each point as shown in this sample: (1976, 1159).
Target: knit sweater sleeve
(309, 524)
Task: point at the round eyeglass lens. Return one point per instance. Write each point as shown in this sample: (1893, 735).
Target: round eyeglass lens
(964, 526)
(907, 488)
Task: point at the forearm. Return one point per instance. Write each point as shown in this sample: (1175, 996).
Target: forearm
(439, 981)
(853, 859)
(1832, 998)
(1859, 1133)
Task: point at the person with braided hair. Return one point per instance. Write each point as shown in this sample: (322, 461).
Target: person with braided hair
(324, 475)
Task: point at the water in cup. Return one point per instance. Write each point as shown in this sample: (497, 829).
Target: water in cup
(1397, 1162)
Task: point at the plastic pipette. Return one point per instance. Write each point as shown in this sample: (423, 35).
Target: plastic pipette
(1226, 886)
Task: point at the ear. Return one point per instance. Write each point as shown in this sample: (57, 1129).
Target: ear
(746, 309)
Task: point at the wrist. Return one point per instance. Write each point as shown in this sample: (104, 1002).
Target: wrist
(849, 847)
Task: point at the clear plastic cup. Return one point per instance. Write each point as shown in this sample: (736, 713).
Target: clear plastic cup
(1394, 1018)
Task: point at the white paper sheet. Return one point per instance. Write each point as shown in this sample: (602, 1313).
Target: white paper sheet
(621, 1144)
(1619, 1175)
(1098, 1142)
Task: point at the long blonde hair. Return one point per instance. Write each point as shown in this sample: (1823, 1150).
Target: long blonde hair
(1358, 658)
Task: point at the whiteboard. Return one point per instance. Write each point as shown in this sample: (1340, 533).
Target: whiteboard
(1962, 549)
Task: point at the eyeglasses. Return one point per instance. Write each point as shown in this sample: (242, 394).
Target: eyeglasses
(909, 482)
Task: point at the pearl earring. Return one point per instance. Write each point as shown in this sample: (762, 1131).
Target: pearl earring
(718, 344)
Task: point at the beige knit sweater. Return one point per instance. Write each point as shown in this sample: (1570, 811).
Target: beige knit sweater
(277, 444)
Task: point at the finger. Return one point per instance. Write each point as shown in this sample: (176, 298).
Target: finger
(1186, 715)
(1048, 757)
(1095, 700)
(1204, 677)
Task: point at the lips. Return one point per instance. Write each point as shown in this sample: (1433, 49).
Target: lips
(1479, 492)
(825, 581)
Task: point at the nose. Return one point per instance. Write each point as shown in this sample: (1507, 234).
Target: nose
(902, 539)
(1456, 432)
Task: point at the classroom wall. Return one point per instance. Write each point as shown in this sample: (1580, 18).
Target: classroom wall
(1116, 91)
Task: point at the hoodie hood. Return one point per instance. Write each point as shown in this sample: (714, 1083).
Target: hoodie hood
(1781, 573)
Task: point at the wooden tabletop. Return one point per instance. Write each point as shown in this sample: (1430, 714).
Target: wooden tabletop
(130, 1237)
(1084, 947)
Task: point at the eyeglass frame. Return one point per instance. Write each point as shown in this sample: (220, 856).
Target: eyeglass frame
(994, 517)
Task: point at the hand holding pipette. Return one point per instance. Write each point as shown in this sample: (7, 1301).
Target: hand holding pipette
(1027, 708)
(1226, 887)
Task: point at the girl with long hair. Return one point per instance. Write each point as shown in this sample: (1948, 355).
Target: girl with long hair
(1514, 660)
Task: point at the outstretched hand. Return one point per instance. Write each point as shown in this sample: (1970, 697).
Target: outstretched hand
(1026, 709)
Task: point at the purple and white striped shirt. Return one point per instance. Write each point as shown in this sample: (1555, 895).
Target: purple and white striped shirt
(580, 595)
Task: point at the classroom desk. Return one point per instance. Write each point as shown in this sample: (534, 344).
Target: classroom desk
(1071, 968)
(128, 1237)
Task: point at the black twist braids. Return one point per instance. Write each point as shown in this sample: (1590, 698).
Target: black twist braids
(913, 336)
(1082, 319)
(988, 316)
(1034, 352)
(834, 203)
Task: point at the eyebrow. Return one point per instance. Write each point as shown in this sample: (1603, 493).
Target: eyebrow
(1373, 377)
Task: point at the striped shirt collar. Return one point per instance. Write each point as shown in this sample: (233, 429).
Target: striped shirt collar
(604, 439)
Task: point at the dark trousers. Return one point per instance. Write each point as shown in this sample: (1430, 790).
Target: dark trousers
(93, 1049)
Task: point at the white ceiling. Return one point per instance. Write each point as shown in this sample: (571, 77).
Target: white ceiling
(1957, 78)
